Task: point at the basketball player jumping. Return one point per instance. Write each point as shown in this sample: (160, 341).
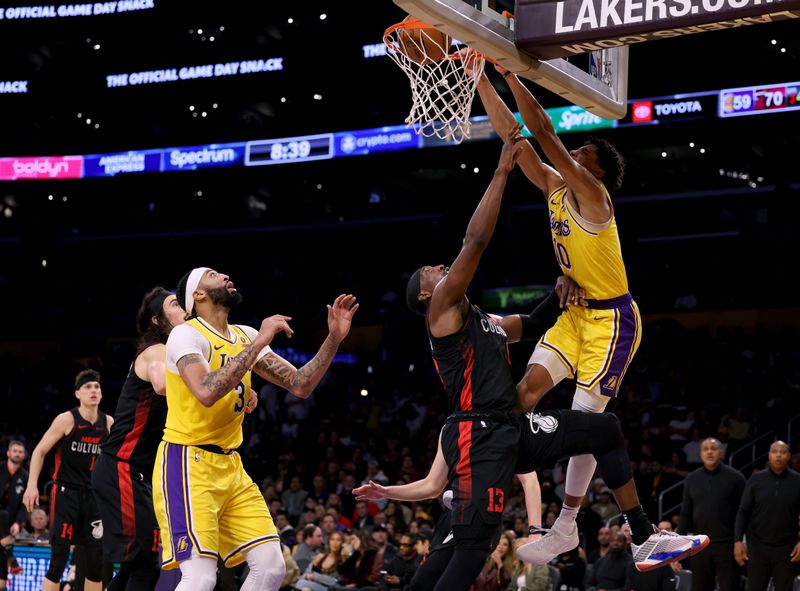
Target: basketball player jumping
(480, 442)
(206, 504)
(122, 476)
(594, 344)
(74, 518)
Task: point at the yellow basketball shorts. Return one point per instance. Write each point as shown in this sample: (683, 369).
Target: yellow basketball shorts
(207, 504)
(597, 343)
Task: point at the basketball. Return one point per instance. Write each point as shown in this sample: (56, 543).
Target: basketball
(423, 45)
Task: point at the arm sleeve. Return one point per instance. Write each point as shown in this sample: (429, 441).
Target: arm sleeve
(745, 511)
(542, 317)
(251, 334)
(185, 340)
(687, 509)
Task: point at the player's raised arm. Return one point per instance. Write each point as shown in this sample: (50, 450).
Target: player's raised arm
(545, 177)
(583, 183)
(428, 488)
(449, 292)
(301, 382)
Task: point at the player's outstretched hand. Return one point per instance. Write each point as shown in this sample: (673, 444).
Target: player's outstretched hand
(371, 491)
(340, 316)
(471, 60)
(570, 293)
(272, 326)
(512, 148)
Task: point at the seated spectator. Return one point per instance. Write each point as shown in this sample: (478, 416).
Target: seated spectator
(358, 570)
(422, 542)
(319, 490)
(292, 570)
(603, 539)
(604, 507)
(611, 570)
(401, 569)
(572, 568)
(386, 551)
(529, 577)
(329, 526)
(38, 532)
(285, 530)
(294, 499)
(499, 567)
(362, 519)
(395, 517)
(311, 546)
(324, 570)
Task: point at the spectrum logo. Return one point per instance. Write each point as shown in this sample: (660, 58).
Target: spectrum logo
(42, 167)
(642, 111)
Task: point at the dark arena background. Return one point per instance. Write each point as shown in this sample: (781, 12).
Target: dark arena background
(115, 177)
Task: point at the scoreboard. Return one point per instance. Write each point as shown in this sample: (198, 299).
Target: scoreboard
(757, 100)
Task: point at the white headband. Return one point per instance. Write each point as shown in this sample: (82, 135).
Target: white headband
(191, 285)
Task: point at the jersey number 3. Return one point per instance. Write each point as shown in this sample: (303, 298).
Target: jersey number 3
(240, 391)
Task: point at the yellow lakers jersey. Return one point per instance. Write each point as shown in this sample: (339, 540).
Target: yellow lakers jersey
(588, 253)
(191, 423)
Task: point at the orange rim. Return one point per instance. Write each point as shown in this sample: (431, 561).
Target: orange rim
(415, 23)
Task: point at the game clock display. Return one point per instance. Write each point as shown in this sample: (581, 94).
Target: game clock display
(293, 149)
(757, 100)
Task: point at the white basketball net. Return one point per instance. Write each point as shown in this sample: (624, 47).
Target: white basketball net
(442, 91)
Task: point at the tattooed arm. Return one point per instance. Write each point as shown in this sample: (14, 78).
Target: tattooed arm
(209, 386)
(301, 382)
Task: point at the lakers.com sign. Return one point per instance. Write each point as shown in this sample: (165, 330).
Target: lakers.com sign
(551, 29)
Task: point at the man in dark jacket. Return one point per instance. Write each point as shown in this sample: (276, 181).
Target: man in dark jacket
(710, 500)
(769, 516)
(13, 478)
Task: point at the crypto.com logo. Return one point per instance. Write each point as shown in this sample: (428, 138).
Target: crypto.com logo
(41, 167)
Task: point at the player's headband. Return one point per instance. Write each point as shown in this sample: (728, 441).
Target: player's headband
(191, 285)
(157, 303)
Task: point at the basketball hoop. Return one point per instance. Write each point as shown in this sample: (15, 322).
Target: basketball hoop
(443, 84)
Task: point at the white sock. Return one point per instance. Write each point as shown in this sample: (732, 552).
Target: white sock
(568, 513)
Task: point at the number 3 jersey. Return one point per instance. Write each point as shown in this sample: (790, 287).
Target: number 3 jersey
(188, 421)
(588, 253)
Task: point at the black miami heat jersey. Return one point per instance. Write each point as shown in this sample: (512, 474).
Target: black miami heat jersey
(138, 424)
(473, 366)
(76, 453)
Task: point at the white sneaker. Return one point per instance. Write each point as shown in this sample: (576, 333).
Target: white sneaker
(665, 547)
(563, 537)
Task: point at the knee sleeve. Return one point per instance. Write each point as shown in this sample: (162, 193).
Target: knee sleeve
(267, 567)
(589, 401)
(551, 362)
(59, 554)
(94, 563)
(198, 573)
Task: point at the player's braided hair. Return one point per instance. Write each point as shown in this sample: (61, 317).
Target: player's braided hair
(610, 160)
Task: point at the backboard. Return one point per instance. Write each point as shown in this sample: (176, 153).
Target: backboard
(492, 34)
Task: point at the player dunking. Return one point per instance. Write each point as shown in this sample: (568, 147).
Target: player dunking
(122, 476)
(594, 344)
(74, 518)
(206, 504)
